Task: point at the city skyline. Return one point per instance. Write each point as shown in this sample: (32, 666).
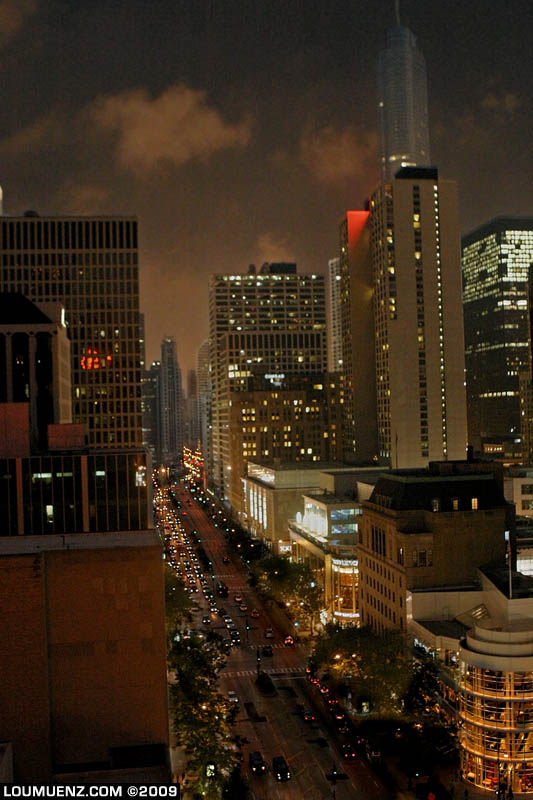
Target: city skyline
(264, 90)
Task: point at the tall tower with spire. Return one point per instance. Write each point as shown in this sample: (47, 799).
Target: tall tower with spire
(402, 102)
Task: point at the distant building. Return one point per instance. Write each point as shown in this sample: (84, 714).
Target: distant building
(334, 319)
(151, 410)
(90, 265)
(276, 319)
(170, 405)
(497, 259)
(191, 425)
(203, 375)
(402, 103)
(297, 419)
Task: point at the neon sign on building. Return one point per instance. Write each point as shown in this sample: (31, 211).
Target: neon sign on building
(95, 360)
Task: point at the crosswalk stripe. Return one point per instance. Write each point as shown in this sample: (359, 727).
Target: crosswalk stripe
(270, 671)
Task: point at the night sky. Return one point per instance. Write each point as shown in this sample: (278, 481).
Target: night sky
(240, 130)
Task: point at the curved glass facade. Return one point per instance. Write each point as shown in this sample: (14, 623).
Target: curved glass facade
(496, 709)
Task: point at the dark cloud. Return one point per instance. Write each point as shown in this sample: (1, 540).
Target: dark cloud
(170, 129)
(13, 15)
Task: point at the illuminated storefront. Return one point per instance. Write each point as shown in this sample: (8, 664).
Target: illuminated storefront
(496, 706)
(325, 538)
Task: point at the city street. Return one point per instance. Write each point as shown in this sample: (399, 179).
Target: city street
(274, 724)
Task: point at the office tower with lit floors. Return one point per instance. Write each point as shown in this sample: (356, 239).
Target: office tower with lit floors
(421, 403)
(90, 265)
(274, 319)
(497, 260)
(402, 103)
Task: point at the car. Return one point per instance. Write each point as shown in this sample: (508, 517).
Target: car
(288, 641)
(280, 769)
(266, 650)
(183, 513)
(238, 598)
(226, 559)
(243, 607)
(337, 712)
(254, 613)
(229, 623)
(257, 763)
(233, 696)
(234, 633)
(348, 752)
(324, 690)
(221, 612)
(342, 726)
(308, 716)
(206, 620)
(269, 633)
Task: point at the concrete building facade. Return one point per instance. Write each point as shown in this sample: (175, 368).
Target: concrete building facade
(421, 403)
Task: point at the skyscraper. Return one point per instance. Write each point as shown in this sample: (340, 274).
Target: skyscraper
(191, 426)
(421, 403)
(151, 410)
(89, 264)
(497, 259)
(171, 404)
(356, 311)
(402, 103)
(334, 323)
(275, 319)
(203, 375)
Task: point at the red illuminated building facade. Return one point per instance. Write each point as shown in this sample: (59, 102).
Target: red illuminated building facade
(357, 315)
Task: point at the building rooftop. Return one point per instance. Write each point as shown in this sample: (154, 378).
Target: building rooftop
(522, 585)
(26, 545)
(497, 225)
(16, 309)
(412, 490)
(450, 628)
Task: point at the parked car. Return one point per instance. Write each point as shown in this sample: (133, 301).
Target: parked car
(266, 650)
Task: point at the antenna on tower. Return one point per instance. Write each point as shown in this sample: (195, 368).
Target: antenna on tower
(397, 11)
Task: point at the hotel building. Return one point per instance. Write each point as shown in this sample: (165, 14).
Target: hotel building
(419, 354)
